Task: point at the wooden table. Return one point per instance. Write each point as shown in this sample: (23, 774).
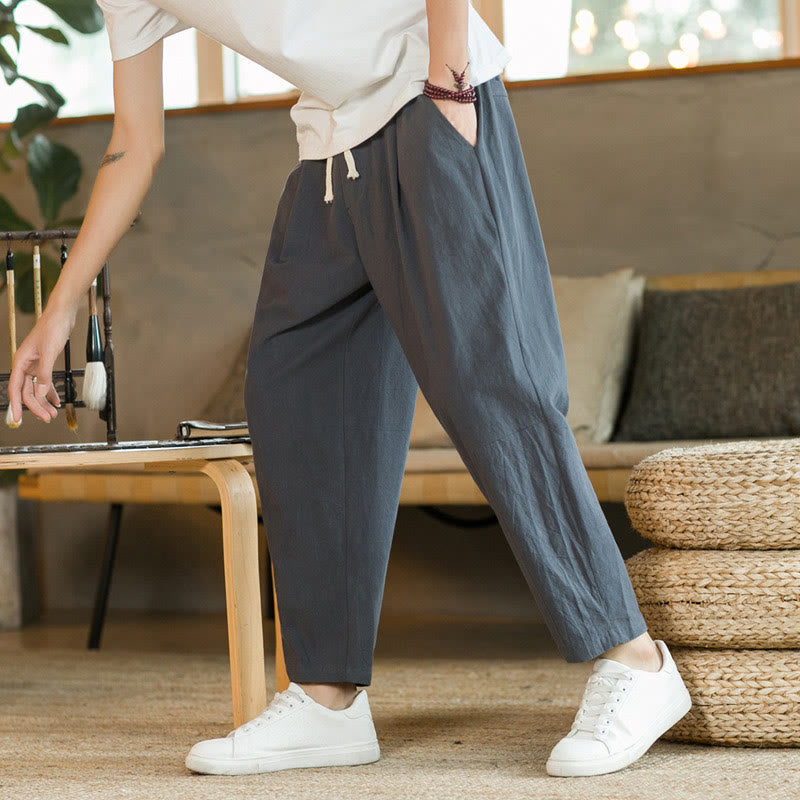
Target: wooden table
(225, 461)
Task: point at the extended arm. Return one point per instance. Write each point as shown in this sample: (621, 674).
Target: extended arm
(125, 173)
(123, 179)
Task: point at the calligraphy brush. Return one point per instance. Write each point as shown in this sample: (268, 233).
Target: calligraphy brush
(94, 377)
(69, 385)
(37, 282)
(12, 328)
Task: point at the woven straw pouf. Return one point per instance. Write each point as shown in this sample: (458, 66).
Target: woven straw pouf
(740, 697)
(726, 496)
(715, 598)
(724, 574)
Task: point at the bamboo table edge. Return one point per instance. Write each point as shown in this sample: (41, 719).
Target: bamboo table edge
(122, 456)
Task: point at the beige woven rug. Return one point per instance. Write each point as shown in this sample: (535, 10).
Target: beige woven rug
(453, 722)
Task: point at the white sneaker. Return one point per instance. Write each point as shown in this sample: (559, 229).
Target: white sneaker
(293, 731)
(623, 711)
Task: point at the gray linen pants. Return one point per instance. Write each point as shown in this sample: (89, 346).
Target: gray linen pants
(427, 269)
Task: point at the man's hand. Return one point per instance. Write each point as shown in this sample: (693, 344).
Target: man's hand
(34, 359)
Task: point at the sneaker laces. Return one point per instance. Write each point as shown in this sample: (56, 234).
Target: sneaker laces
(281, 702)
(602, 688)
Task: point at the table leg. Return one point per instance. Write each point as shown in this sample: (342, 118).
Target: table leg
(242, 592)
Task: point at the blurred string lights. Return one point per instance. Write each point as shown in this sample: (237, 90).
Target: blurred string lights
(675, 33)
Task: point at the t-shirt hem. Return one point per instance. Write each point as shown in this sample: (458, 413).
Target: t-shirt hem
(310, 152)
(119, 52)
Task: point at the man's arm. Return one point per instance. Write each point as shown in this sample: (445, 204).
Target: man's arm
(124, 175)
(448, 22)
(447, 38)
(123, 178)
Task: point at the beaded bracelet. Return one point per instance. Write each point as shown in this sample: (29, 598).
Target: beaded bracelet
(464, 93)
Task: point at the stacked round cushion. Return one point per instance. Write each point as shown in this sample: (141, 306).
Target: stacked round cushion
(721, 586)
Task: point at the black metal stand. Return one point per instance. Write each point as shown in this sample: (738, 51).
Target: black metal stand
(64, 379)
(459, 522)
(104, 584)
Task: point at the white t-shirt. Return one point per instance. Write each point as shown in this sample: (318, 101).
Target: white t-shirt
(355, 63)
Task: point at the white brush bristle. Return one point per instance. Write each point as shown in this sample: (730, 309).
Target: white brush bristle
(10, 419)
(94, 384)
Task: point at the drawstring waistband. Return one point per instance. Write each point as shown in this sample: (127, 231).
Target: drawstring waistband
(352, 173)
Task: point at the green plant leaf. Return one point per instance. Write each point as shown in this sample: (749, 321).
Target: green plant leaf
(54, 171)
(53, 34)
(23, 278)
(11, 145)
(50, 93)
(5, 59)
(9, 73)
(8, 477)
(10, 220)
(31, 117)
(82, 15)
(23, 284)
(9, 28)
(50, 271)
(69, 222)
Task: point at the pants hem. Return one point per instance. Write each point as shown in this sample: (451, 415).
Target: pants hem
(591, 649)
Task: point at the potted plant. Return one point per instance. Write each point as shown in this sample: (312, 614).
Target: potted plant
(53, 169)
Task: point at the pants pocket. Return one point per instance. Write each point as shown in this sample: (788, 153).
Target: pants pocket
(441, 122)
(283, 215)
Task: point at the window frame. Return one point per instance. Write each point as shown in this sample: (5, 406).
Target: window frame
(211, 84)
(212, 88)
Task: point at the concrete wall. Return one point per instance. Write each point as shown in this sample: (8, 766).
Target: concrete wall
(664, 174)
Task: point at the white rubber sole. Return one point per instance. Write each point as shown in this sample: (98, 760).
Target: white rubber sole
(334, 756)
(571, 769)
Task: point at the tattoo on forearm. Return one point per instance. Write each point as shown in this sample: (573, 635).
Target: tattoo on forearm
(110, 158)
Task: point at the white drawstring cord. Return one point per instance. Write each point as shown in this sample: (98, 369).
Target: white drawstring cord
(352, 173)
(328, 182)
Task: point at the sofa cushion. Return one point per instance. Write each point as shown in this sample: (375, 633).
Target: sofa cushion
(597, 316)
(715, 363)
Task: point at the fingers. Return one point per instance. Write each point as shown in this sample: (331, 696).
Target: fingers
(44, 391)
(14, 392)
(31, 382)
(52, 395)
(34, 395)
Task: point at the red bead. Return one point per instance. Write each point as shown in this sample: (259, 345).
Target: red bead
(466, 95)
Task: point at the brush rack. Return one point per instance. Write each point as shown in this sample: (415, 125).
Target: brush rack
(65, 383)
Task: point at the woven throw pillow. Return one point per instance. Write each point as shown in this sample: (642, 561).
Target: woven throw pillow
(715, 363)
(597, 316)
